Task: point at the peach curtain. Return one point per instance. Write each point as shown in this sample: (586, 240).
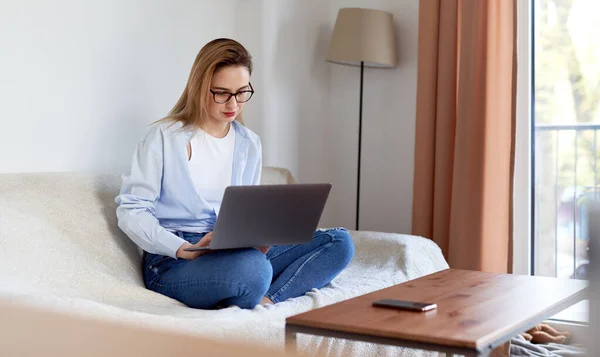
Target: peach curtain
(465, 131)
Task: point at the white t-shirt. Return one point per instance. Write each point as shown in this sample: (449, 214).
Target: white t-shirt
(211, 165)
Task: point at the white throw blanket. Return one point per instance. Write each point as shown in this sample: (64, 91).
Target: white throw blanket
(60, 247)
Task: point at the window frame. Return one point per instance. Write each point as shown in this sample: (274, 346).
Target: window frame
(523, 190)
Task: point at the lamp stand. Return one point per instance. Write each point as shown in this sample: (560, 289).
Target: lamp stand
(362, 70)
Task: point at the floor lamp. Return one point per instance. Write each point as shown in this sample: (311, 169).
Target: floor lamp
(365, 38)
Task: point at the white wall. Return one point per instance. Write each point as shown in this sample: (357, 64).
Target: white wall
(79, 80)
(306, 109)
(389, 106)
(97, 74)
(290, 110)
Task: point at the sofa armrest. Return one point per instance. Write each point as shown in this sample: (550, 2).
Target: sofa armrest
(414, 256)
(276, 176)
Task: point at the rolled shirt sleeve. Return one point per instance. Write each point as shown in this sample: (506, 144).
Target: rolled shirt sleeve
(137, 199)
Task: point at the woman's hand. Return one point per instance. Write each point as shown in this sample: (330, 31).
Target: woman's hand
(182, 254)
(263, 249)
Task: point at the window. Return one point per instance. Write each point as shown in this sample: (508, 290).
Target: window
(566, 120)
(565, 124)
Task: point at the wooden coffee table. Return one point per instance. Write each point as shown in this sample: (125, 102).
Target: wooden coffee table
(476, 313)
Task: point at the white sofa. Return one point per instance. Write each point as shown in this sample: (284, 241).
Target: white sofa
(60, 248)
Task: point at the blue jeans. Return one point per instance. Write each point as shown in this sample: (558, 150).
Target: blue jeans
(242, 277)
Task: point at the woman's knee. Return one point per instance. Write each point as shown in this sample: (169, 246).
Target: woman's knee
(239, 277)
(254, 271)
(344, 246)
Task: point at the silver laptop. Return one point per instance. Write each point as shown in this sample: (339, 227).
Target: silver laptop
(252, 216)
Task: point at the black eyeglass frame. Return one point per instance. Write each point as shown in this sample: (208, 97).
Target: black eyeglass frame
(251, 91)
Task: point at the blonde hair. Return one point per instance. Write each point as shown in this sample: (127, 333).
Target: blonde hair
(192, 106)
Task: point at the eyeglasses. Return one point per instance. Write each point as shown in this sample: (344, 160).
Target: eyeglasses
(242, 96)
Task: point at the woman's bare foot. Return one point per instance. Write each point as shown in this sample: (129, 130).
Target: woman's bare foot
(266, 300)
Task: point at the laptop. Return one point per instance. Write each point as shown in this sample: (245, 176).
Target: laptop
(261, 215)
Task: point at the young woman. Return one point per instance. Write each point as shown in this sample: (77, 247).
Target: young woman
(171, 198)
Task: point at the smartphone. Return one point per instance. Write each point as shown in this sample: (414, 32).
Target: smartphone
(405, 305)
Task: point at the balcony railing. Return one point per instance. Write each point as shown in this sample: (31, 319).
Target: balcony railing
(566, 178)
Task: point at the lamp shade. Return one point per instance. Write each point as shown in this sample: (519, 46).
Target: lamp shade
(363, 35)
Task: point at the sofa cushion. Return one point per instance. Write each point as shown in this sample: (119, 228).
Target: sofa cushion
(62, 228)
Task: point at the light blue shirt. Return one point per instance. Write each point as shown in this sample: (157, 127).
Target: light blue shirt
(158, 196)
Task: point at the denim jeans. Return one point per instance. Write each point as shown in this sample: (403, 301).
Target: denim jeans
(242, 277)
